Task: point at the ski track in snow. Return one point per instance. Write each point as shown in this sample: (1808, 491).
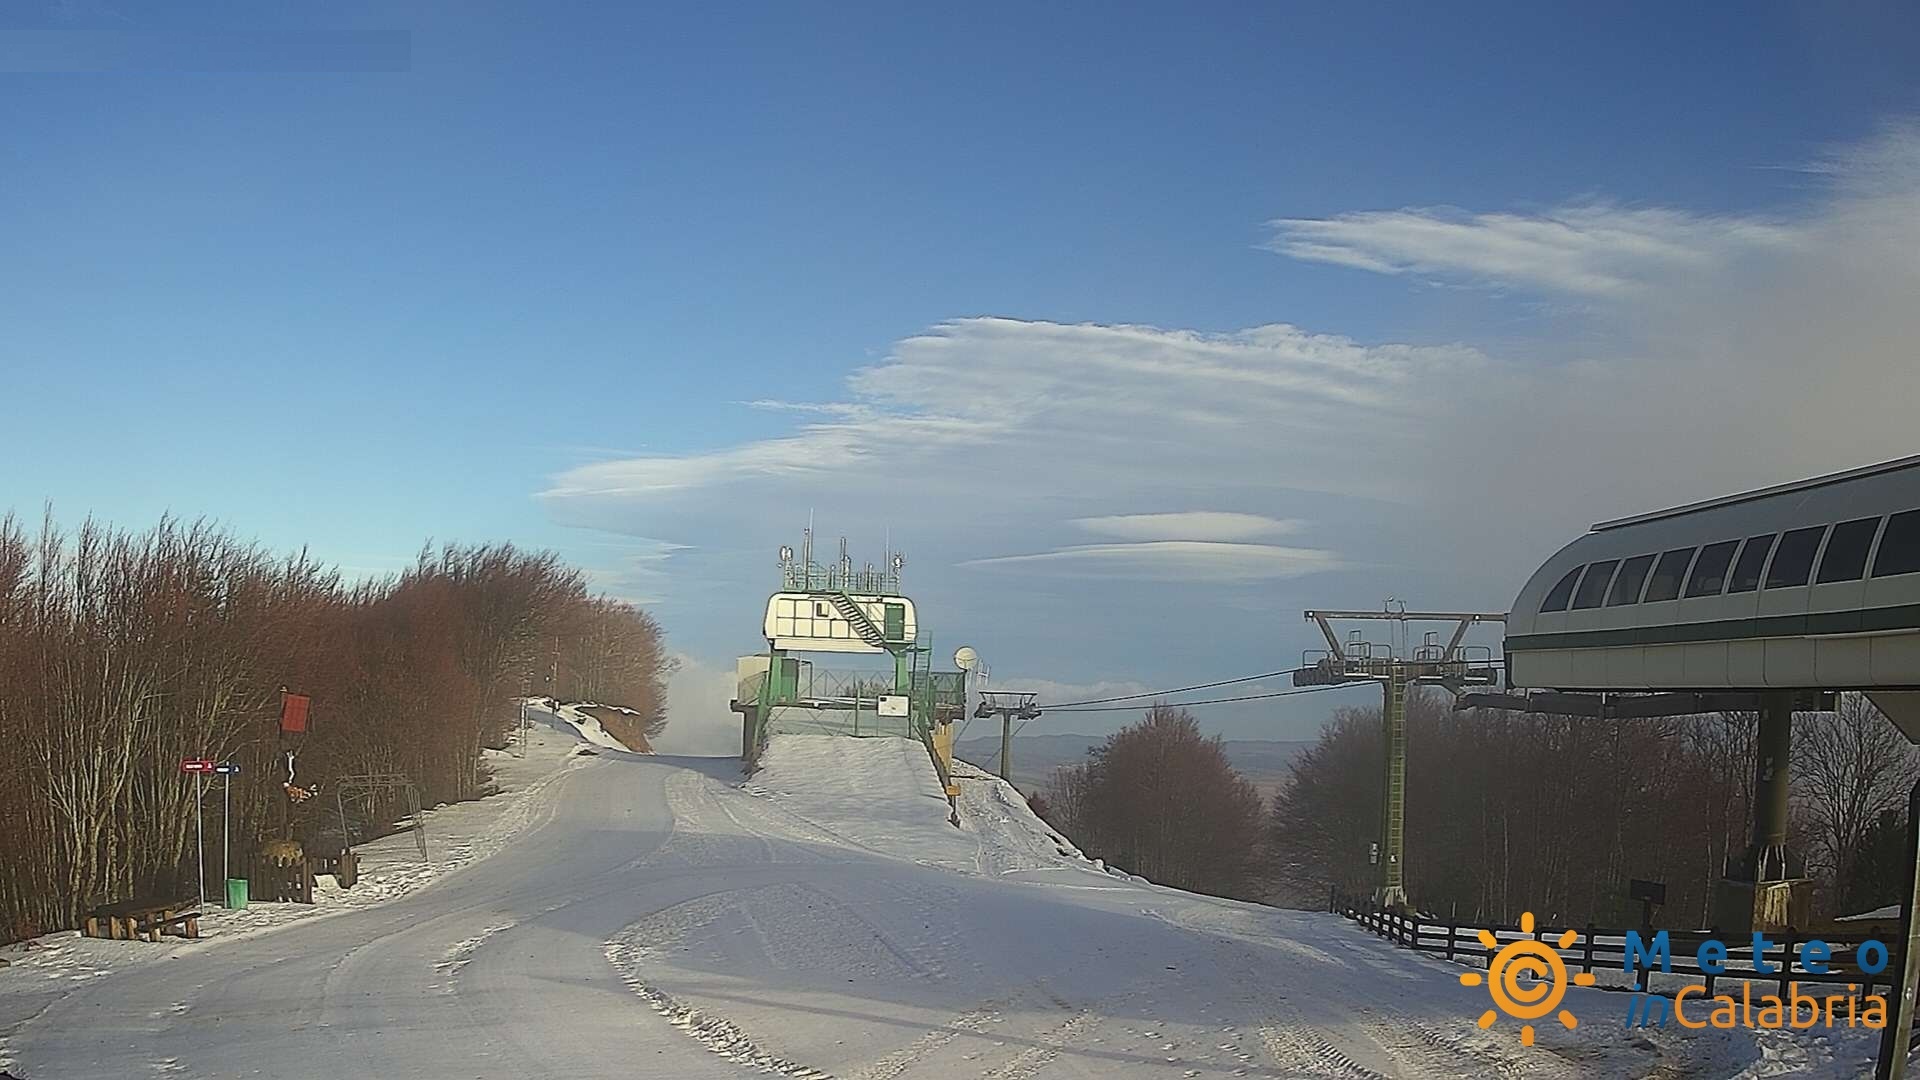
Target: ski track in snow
(713, 1032)
(458, 835)
(820, 920)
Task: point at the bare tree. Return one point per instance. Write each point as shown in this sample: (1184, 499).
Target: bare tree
(1851, 766)
(1325, 819)
(1159, 799)
(123, 652)
(1555, 815)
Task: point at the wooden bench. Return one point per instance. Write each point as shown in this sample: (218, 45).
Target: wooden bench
(142, 922)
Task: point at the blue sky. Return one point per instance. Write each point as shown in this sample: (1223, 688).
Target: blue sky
(1140, 330)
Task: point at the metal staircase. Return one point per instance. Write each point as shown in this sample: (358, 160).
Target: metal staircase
(857, 619)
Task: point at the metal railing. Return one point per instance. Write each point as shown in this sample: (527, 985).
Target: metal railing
(862, 581)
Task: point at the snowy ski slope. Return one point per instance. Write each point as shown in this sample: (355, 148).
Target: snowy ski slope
(658, 916)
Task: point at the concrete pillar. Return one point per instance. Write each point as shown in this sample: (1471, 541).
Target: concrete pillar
(1772, 751)
(1757, 894)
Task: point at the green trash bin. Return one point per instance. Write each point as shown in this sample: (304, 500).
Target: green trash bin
(236, 894)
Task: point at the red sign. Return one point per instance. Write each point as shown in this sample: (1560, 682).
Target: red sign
(196, 764)
(293, 713)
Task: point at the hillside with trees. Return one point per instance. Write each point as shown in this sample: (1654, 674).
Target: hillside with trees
(1509, 813)
(1160, 799)
(124, 652)
(1505, 812)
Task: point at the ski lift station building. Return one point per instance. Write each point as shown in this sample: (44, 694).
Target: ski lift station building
(1812, 585)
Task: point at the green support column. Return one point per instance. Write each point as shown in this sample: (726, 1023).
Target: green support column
(1393, 891)
(754, 724)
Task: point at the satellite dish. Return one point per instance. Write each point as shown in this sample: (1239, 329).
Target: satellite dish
(786, 553)
(965, 658)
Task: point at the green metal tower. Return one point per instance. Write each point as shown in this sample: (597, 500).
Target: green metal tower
(848, 610)
(1451, 665)
(1393, 831)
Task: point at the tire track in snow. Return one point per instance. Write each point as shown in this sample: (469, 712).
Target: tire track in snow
(1298, 1049)
(716, 1033)
(1053, 1042)
(898, 1062)
(1429, 1052)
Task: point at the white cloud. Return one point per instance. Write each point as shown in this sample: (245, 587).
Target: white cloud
(1190, 525)
(822, 449)
(1173, 560)
(1022, 411)
(1770, 352)
(1717, 353)
(636, 573)
(1585, 248)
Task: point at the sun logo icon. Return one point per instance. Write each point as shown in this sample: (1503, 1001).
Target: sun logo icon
(1544, 973)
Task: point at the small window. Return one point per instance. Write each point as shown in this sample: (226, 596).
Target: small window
(1794, 561)
(1626, 584)
(1593, 587)
(1753, 558)
(1709, 575)
(1899, 546)
(1668, 573)
(1846, 557)
(1558, 596)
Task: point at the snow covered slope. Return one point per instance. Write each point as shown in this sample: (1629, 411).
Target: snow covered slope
(37, 974)
(884, 795)
(661, 917)
(573, 719)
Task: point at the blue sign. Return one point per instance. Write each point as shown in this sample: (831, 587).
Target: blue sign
(226, 768)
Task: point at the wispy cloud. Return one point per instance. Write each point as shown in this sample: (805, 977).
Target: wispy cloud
(1033, 408)
(1173, 560)
(635, 571)
(823, 408)
(1189, 525)
(1584, 248)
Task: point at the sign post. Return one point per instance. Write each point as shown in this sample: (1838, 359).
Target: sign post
(226, 769)
(199, 767)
